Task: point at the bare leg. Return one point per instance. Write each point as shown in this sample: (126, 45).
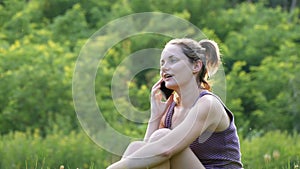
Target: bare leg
(156, 136)
(186, 159)
(134, 146)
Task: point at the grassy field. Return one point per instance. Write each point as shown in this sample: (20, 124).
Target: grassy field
(19, 150)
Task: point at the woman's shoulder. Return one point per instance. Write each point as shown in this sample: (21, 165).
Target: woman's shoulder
(208, 97)
(211, 102)
(215, 112)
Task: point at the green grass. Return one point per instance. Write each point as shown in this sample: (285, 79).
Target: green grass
(274, 150)
(19, 150)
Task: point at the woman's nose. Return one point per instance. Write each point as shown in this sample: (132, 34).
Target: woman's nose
(164, 67)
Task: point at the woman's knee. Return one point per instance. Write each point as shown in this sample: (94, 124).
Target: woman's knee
(159, 134)
(136, 145)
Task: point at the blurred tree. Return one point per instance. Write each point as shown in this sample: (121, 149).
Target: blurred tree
(35, 85)
(239, 95)
(39, 42)
(275, 101)
(71, 26)
(247, 26)
(52, 9)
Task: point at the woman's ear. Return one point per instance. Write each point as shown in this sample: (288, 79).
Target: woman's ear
(197, 66)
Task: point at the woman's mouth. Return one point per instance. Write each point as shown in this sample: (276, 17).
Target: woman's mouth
(167, 76)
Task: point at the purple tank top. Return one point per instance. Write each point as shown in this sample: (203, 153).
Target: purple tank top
(218, 149)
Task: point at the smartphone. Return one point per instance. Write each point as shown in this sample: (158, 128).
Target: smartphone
(167, 92)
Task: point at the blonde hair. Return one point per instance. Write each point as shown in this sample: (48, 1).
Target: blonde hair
(205, 50)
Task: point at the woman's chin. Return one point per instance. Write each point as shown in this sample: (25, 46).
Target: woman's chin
(171, 86)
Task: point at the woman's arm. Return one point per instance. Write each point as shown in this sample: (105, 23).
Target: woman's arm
(206, 114)
(158, 109)
(153, 125)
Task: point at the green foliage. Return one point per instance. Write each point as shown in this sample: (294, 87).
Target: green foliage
(39, 48)
(243, 33)
(236, 78)
(30, 150)
(37, 83)
(277, 97)
(71, 26)
(40, 42)
(269, 98)
(273, 150)
(9, 8)
(52, 9)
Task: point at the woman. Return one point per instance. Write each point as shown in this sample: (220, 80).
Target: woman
(193, 129)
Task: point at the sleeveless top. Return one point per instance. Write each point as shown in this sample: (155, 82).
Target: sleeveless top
(215, 150)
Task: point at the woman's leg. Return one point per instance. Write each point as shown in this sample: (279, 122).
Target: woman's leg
(186, 159)
(134, 146)
(156, 136)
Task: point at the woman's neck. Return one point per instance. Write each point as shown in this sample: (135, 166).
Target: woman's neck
(188, 95)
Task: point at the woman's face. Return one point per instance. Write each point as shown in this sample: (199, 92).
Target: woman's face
(175, 68)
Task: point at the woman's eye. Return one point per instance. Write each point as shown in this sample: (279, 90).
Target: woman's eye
(173, 60)
(170, 60)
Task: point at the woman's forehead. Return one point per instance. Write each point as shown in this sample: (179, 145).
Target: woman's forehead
(171, 50)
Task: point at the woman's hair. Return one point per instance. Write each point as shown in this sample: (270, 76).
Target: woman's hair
(205, 50)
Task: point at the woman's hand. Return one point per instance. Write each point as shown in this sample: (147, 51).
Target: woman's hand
(158, 107)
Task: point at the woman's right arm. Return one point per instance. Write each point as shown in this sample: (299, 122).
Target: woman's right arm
(158, 108)
(153, 125)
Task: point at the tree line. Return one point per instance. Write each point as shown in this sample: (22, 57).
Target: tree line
(41, 40)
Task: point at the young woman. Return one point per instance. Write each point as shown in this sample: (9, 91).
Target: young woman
(193, 129)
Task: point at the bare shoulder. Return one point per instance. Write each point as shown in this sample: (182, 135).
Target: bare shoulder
(214, 112)
(209, 101)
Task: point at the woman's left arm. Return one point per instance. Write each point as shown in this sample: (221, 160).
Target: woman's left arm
(204, 115)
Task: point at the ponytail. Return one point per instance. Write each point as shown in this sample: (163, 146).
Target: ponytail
(211, 61)
(212, 56)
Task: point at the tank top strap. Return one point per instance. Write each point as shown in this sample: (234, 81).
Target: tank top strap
(169, 115)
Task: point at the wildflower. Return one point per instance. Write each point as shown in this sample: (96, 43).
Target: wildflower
(276, 155)
(267, 158)
(62, 167)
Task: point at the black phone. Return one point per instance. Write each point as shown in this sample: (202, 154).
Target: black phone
(167, 92)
